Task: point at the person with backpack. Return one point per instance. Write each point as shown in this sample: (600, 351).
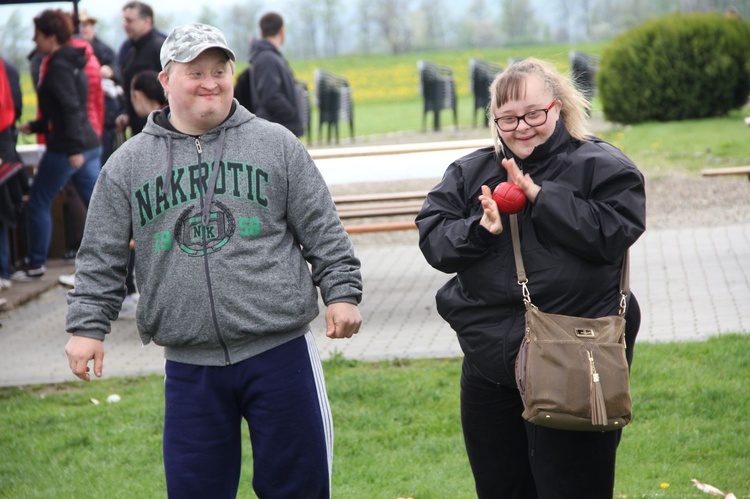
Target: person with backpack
(242, 91)
(274, 91)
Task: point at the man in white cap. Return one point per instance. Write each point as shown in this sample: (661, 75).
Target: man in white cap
(237, 230)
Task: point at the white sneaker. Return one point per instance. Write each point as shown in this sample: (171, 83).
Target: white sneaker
(5, 283)
(129, 306)
(67, 280)
(28, 274)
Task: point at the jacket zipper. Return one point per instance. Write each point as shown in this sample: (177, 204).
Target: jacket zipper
(214, 318)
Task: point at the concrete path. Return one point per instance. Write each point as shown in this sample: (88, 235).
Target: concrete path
(691, 283)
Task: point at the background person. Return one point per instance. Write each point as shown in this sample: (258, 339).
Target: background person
(74, 209)
(73, 148)
(146, 95)
(13, 179)
(139, 52)
(274, 91)
(236, 229)
(585, 208)
(113, 93)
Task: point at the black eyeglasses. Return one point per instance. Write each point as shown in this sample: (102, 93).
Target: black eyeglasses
(537, 117)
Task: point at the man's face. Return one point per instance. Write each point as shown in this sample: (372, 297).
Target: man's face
(200, 92)
(88, 30)
(134, 25)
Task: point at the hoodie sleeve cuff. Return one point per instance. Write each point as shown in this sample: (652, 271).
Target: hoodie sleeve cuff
(94, 335)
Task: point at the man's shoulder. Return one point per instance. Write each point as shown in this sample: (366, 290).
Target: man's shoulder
(155, 39)
(102, 48)
(265, 55)
(158, 35)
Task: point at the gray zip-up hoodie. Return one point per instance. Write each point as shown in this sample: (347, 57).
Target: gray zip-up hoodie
(221, 284)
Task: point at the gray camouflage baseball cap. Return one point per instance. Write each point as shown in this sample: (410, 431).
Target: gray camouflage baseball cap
(185, 43)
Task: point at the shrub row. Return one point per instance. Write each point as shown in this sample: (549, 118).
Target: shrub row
(676, 67)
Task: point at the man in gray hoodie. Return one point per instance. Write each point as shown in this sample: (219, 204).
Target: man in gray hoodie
(237, 230)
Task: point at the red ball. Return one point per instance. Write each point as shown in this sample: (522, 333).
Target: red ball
(509, 198)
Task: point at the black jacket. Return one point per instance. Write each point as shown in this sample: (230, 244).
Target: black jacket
(274, 91)
(63, 103)
(590, 210)
(135, 57)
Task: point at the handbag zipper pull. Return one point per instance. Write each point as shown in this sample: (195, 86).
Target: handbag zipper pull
(598, 407)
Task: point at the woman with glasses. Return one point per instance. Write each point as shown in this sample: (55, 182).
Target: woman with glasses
(585, 207)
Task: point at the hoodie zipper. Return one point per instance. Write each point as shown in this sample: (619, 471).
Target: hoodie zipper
(214, 318)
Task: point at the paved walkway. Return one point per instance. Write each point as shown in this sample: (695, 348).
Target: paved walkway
(691, 283)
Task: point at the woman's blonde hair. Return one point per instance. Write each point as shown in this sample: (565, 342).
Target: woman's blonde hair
(511, 85)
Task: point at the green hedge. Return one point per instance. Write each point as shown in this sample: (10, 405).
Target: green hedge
(676, 67)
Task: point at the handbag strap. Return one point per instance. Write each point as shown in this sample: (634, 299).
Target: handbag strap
(523, 279)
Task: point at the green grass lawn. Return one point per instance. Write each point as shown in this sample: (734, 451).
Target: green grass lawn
(685, 146)
(397, 430)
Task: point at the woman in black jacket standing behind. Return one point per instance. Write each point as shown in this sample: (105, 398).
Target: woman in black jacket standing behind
(585, 208)
(73, 148)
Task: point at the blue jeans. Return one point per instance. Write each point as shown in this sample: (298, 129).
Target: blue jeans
(53, 172)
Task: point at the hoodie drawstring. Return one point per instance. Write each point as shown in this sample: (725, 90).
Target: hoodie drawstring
(170, 166)
(206, 208)
(212, 181)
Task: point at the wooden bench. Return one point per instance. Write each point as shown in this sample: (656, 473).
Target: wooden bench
(390, 204)
(730, 170)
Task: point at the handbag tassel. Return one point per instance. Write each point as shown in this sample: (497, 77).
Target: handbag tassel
(598, 407)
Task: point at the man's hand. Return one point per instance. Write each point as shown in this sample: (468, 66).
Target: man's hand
(76, 160)
(107, 72)
(343, 320)
(122, 122)
(80, 350)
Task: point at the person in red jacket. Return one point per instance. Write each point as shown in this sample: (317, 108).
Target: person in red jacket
(96, 93)
(13, 179)
(74, 211)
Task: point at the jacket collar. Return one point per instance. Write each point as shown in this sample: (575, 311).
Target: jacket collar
(559, 139)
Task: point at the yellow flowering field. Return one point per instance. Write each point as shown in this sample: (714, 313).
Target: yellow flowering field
(377, 78)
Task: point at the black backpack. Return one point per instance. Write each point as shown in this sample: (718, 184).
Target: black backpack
(242, 90)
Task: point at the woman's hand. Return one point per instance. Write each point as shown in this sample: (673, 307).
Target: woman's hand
(76, 160)
(25, 128)
(491, 216)
(529, 188)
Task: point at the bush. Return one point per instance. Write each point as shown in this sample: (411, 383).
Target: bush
(676, 67)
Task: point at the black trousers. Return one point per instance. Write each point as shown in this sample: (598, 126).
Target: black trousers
(513, 459)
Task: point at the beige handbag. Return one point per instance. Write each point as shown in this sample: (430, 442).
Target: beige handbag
(572, 371)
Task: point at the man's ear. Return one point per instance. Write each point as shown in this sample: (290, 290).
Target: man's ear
(164, 80)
